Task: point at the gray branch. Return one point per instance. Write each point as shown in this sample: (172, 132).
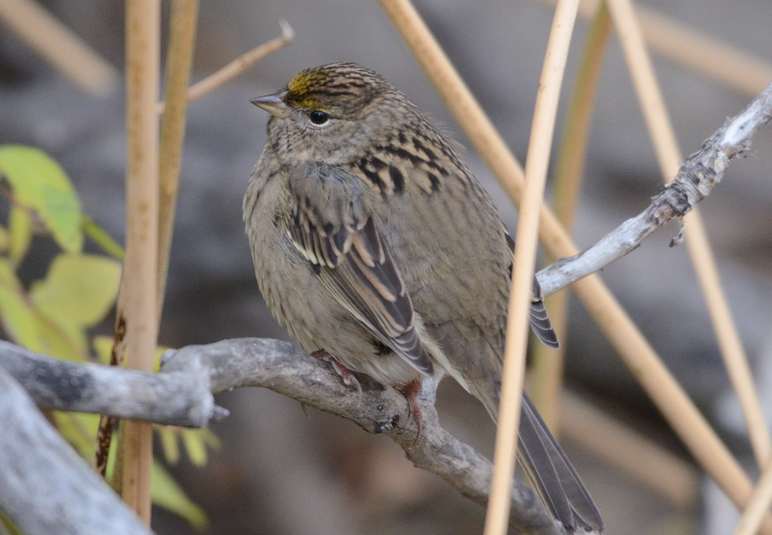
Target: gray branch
(163, 398)
(189, 374)
(44, 486)
(698, 175)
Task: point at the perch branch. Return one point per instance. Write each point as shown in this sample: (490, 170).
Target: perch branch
(188, 375)
(696, 179)
(46, 488)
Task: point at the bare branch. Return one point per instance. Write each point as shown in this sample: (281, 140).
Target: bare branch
(283, 368)
(180, 394)
(46, 488)
(696, 178)
(166, 398)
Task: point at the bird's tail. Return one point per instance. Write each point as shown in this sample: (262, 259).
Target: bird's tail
(549, 470)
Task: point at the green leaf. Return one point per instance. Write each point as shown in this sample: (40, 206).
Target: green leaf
(103, 347)
(194, 445)
(20, 228)
(78, 429)
(30, 327)
(169, 444)
(40, 183)
(79, 289)
(8, 277)
(167, 494)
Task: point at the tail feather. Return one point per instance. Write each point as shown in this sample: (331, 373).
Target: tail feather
(548, 468)
(553, 474)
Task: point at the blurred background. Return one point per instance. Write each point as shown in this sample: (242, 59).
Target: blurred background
(285, 470)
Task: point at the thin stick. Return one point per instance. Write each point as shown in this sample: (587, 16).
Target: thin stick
(182, 38)
(138, 292)
(539, 147)
(547, 373)
(623, 448)
(58, 45)
(630, 344)
(238, 65)
(669, 156)
(697, 50)
(757, 506)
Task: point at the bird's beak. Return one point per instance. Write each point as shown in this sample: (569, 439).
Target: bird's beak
(275, 103)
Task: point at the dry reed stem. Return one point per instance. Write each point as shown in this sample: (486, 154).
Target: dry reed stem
(58, 45)
(758, 505)
(138, 286)
(669, 156)
(182, 38)
(624, 448)
(547, 372)
(539, 148)
(622, 333)
(697, 50)
(238, 65)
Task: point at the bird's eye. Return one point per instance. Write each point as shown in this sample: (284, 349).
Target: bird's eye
(318, 117)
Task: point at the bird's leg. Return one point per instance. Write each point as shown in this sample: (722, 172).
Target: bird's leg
(347, 377)
(410, 391)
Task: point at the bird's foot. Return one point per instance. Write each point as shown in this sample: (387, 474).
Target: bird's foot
(347, 377)
(410, 391)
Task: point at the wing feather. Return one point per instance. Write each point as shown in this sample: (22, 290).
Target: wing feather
(341, 240)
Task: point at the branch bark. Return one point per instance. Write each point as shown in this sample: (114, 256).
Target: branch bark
(169, 398)
(180, 395)
(46, 488)
(696, 179)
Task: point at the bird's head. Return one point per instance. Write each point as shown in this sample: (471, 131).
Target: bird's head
(332, 113)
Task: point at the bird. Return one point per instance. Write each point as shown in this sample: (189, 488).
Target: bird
(378, 250)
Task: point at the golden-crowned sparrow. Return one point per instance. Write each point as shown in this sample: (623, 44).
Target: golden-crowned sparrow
(374, 244)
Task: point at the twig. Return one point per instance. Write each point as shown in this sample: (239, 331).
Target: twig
(695, 180)
(46, 487)
(539, 148)
(547, 367)
(757, 506)
(179, 58)
(238, 65)
(620, 446)
(64, 50)
(669, 155)
(166, 398)
(137, 305)
(632, 347)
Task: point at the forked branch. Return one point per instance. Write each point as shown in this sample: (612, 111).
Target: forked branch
(696, 179)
